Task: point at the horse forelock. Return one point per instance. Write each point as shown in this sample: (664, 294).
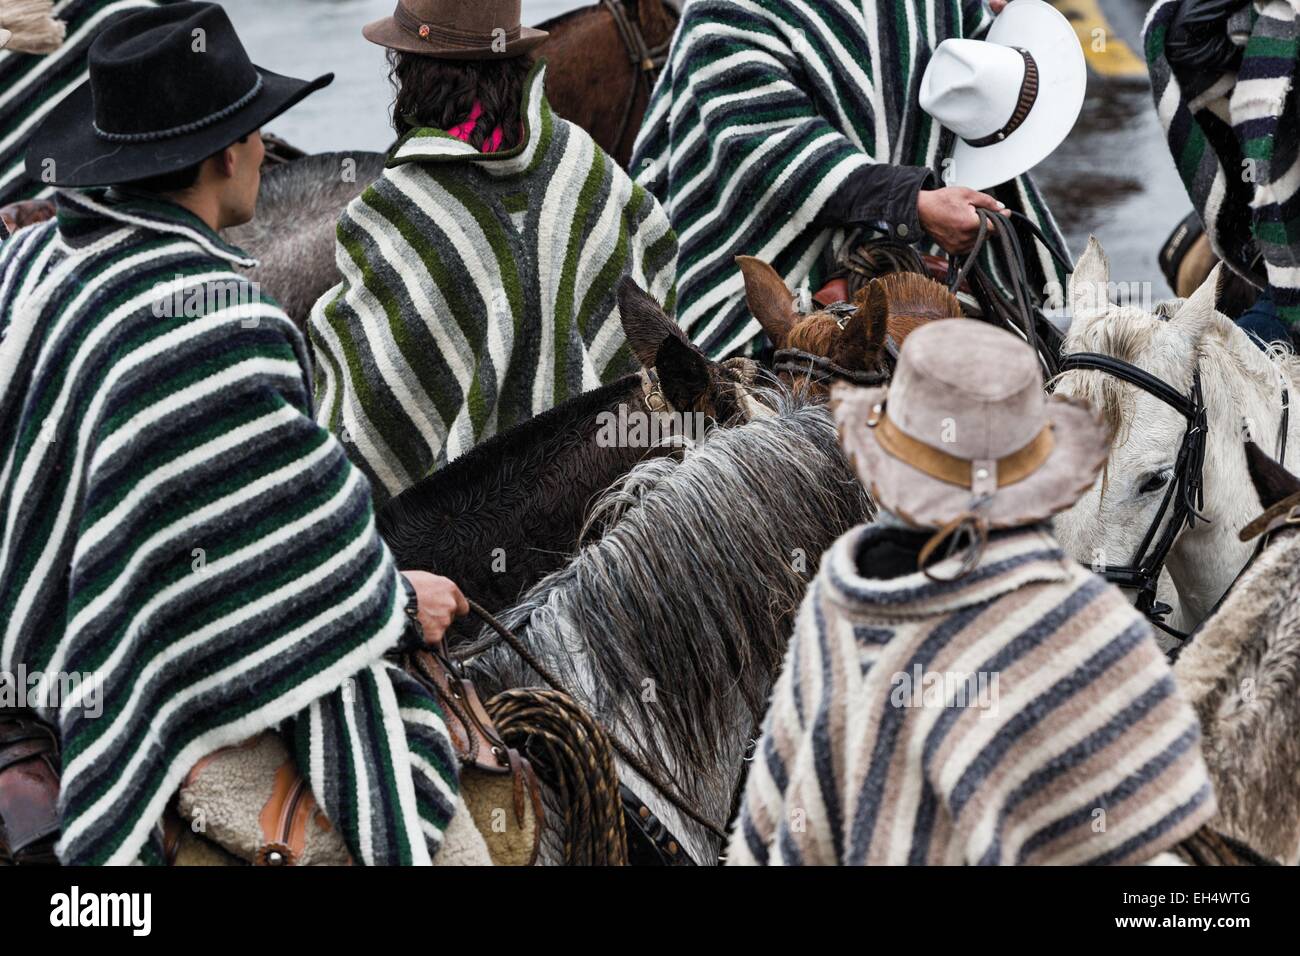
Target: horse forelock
(676, 620)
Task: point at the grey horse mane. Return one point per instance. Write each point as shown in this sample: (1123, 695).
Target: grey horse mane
(678, 616)
(292, 235)
(1242, 676)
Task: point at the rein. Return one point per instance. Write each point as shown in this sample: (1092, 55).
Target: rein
(527, 656)
(1184, 497)
(1016, 311)
(646, 61)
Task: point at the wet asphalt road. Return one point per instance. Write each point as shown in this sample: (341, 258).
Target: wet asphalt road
(1113, 177)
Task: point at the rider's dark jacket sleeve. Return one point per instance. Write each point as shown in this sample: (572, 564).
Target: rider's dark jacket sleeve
(1198, 37)
(883, 194)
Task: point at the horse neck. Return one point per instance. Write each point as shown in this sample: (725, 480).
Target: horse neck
(1242, 676)
(1240, 386)
(499, 669)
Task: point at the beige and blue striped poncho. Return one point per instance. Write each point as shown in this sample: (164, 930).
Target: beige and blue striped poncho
(479, 290)
(1021, 715)
(184, 552)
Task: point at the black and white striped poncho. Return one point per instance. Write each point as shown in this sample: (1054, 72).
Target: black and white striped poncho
(31, 85)
(183, 549)
(764, 109)
(1236, 146)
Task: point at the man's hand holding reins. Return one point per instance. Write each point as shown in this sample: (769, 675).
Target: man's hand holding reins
(948, 215)
(439, 603)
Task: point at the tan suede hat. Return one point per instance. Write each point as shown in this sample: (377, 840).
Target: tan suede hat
(455, 29)
(965, 420)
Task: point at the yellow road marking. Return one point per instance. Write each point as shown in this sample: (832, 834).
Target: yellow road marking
(1105, 52)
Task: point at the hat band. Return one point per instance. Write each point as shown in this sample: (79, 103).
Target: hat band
(962, 471)
(433, 33)
(1024, 103)
(184, 128)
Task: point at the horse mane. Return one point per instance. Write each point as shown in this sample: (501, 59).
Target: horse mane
(906, 301)
(519, 442)
(1126, 332)
(1241, 674)
(672, 625)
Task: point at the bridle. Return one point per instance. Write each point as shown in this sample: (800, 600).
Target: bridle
(1184, 496)
(646, 61)
(820, 369)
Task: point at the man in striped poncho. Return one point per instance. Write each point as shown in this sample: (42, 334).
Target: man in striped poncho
(779, 127)
(997, 705)
(1230, 116)
(183, 551)
(35, 77)
(480, 272)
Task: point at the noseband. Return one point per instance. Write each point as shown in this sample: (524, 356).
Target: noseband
(1184, 496)
(797, 362)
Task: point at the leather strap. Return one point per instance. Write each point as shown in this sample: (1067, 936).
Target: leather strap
(963, 472)
(1285, 512)
(1024, 103)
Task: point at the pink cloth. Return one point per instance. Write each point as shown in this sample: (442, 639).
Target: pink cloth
(463, 130)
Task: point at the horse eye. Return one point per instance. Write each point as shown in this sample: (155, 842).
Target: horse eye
(1156, 481)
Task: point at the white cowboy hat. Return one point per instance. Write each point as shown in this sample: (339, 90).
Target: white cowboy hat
(1011, 98)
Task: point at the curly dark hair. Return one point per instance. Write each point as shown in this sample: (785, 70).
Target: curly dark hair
(441, 93)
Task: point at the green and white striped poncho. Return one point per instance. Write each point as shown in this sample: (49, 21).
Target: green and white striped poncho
(1237, 146)
(480, 289)
(32, 84)
(764, 109)
(184, 552)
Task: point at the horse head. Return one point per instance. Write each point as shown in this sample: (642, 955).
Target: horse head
(1181, 341)
(852, 340)
(688, 381)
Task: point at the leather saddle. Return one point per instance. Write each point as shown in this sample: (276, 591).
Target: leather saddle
(29, 790)
(481, 749)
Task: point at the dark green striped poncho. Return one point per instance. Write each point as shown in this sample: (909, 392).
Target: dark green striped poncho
(764, 109)
(1237, 144)
(480, 289)
(183, 550)
(31, 85)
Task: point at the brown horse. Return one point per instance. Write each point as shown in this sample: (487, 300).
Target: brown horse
(850, 342)
(602, 64)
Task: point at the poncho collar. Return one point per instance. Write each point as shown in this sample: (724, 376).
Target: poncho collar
(85, 216)
(1011, 560)
(429, 145)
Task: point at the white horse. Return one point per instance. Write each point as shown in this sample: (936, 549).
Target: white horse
(1241, 387)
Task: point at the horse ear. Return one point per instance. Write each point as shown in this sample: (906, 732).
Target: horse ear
(859, 344)
(1272, 482)
(683, 374)
(1198, 312)
(770, 299)
(645, 323)
(1090, 281)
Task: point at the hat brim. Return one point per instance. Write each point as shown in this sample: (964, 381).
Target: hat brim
(387, 32)
(1062, 84)
(1081, 444)
(81, 158)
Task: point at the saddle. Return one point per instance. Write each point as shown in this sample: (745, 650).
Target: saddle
(493, 775)
(29, 790)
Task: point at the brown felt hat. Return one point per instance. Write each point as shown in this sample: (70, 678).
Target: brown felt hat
(455, 29)
(966, 417)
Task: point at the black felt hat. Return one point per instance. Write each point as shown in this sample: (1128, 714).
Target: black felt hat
(169, 86)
